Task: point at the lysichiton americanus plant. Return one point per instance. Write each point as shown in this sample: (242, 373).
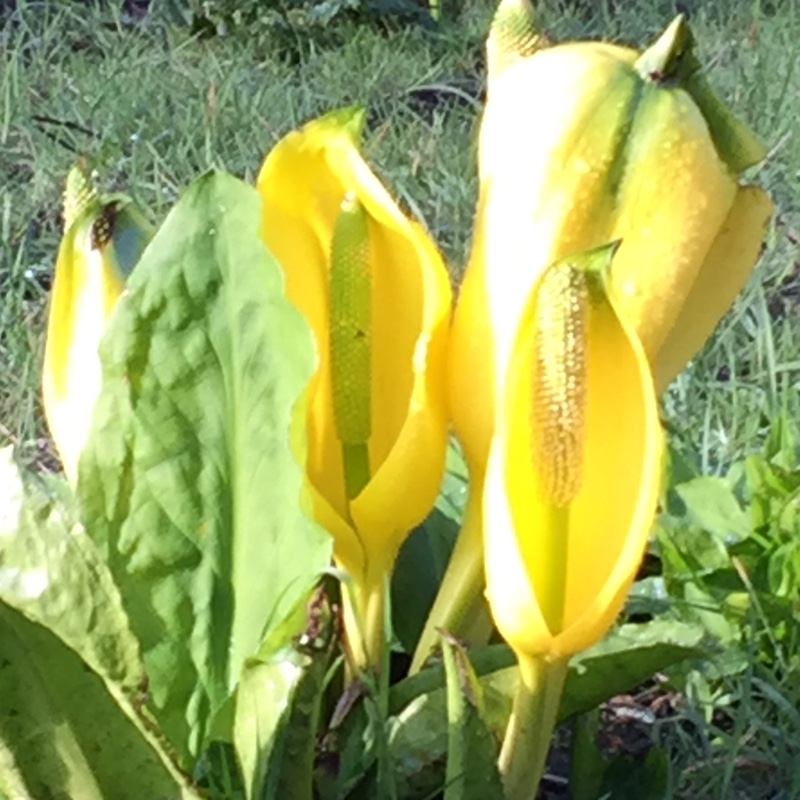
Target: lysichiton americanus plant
(572, 484)
(584, 143)
(376, 294)
(265, 396)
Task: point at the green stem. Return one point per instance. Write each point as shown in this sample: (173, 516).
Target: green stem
(363, 608)
(459, 602)
(530, 728)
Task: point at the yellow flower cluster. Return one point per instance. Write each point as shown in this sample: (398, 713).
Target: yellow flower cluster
(612, 234)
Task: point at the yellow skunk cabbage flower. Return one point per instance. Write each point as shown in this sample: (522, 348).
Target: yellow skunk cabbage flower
(580, 144)
(572, 482)
(584, 143)
(377, 297)
(104, 238)
(574, 471)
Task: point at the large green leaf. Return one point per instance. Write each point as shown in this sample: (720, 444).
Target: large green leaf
(188, 480)
(709, 504)
(626, 657)
(53, 573)
(64, 734)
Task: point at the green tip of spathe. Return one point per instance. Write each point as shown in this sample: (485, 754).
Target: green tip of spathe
(513, 33)
(663, 61)
(671, 62)
(595, 261)
(735, 143)
(79, 192)
(348, 120)
(595, 264)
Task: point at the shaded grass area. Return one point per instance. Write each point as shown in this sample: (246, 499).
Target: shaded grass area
(150, 107)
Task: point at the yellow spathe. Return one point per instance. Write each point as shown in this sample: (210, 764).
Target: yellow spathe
(571, 490)
(303, 183)
(103, 240)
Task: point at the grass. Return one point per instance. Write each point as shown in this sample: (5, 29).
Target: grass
(152, 107)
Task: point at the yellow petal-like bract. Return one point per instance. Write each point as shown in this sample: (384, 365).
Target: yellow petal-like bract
(103, 240)
(304, 183)
(581, 144)
(722, 276)
(574, 473)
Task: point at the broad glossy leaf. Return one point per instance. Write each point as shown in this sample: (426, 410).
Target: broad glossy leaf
(188, 481)
(770, 490)
(472, 751)
(649, 597)
(52, 572)
(64, 734)
(423, 557)
(265, 700)
(453, 496)
(784, 570)
(703, 606)
(626, 657)
(688, 552)
(681, 466)
(587, 762)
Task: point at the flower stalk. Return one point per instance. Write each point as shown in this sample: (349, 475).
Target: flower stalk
(534, 714)
(363, 615)
(459, 604)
